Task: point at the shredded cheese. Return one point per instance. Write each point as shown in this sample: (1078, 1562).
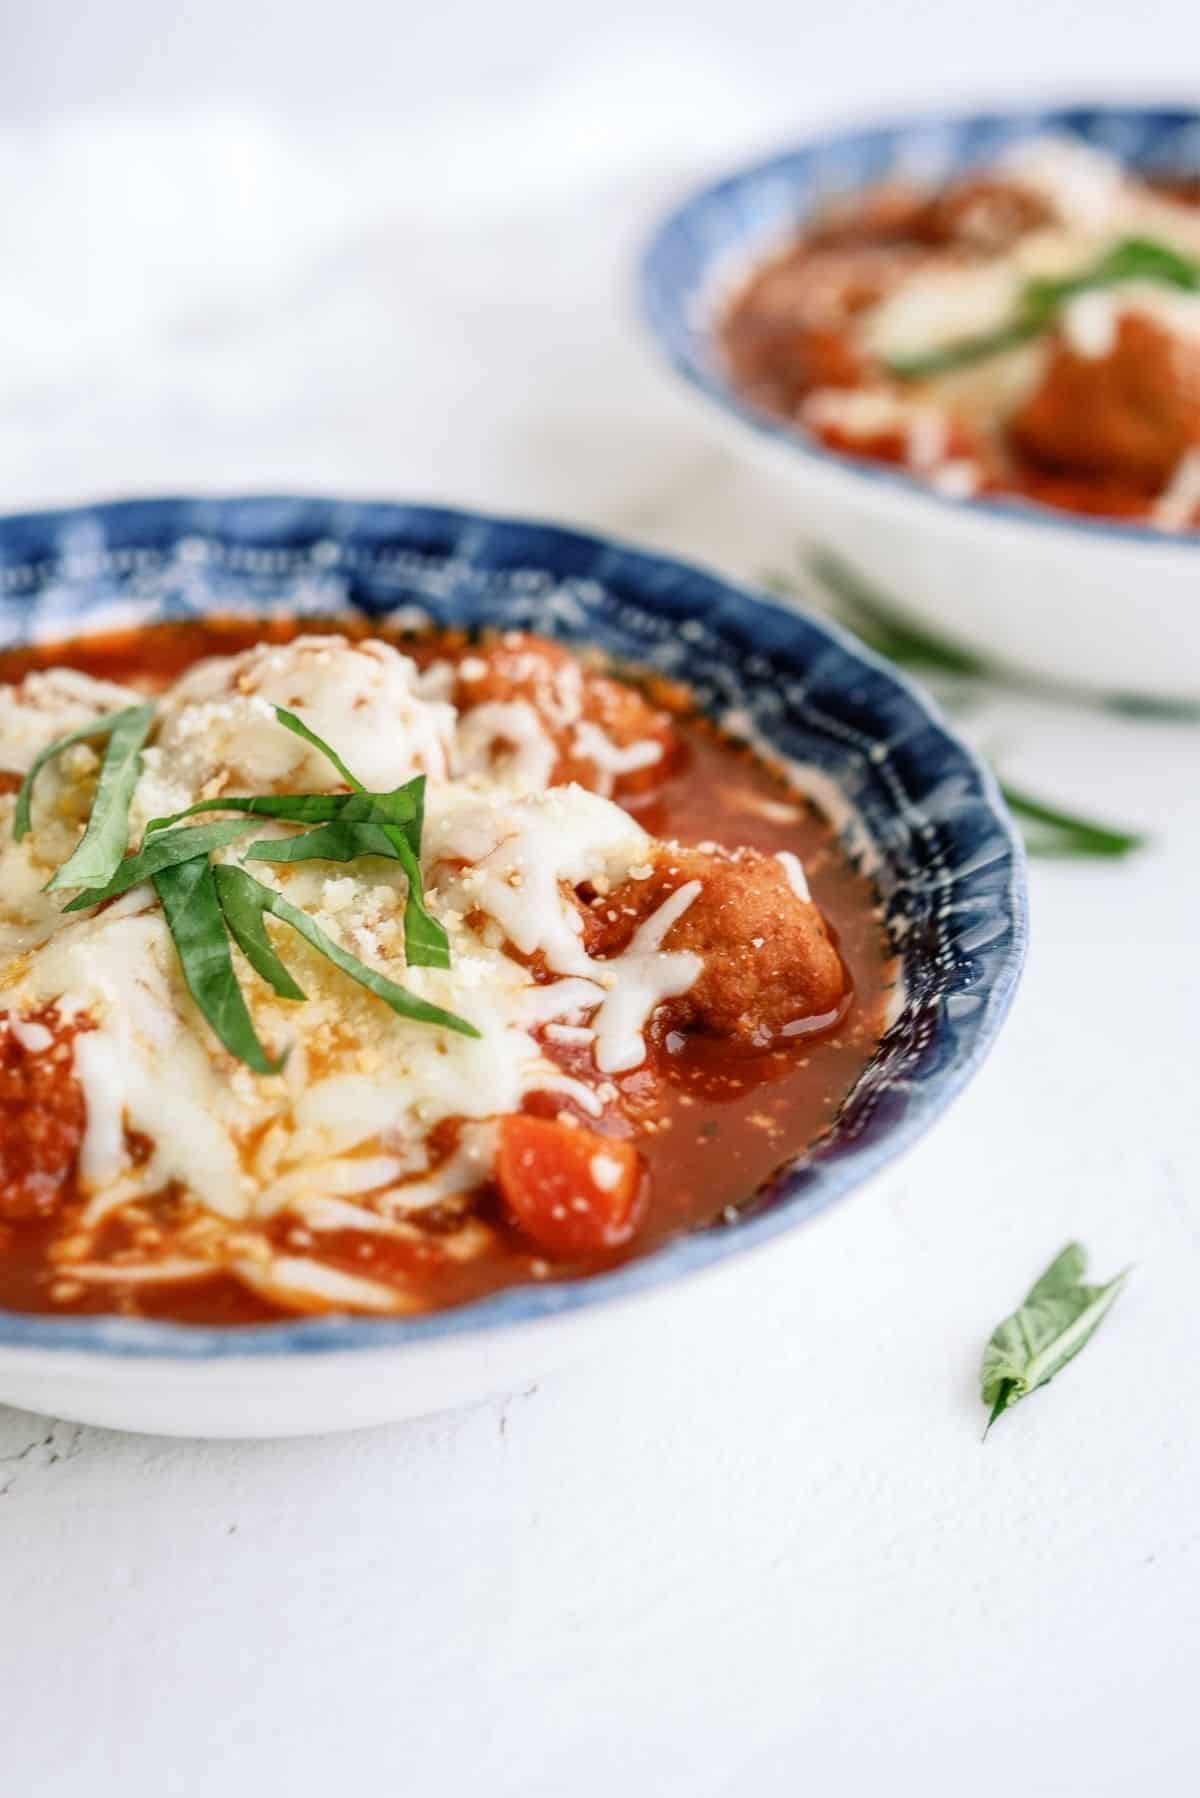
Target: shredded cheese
(341, 1139)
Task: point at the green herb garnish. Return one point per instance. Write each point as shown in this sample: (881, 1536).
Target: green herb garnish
(130, 727)
(398, 818)
(98, 855)
(291, 808)
(206, 905)
(1067, 834)
(1048, 830)
(188, 892)
(1059, 1315)
(245, 920)
(241, 896)
(1040, 301)
(165, 850)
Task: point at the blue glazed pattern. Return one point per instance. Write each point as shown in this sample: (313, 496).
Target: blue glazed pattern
(949, 868)
(703, 248)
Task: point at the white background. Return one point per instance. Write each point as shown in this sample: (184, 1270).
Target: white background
(757, 1547)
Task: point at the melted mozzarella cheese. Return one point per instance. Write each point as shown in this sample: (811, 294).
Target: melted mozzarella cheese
(219, 725)
(47, 705)
(527, 754)
(343, 1131)
(523, 853)
(609, 759)
(639, 980)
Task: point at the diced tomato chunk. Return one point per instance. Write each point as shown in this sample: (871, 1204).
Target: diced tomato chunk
(571, 1191)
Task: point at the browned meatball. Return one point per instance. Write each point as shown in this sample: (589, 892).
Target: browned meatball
(982, 214)
(790, 329)
(777, 368)
(888, 213)
(42, 1115)
(573, 704)
(1183, 189)
(769, 964)
(1128, 415)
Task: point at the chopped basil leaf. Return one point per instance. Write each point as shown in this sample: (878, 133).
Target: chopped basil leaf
(890, 631)
(251, 893)
(336, 842)
(238, 895)
(426, 944)
(1041, 300)
(401, 815)
(962, 351)
(300, 808)
(1067, 834)
(99, 727)
(188, 892)
(1058, 1317)
(102, 848)
(425, 941)
(298, 728)
(162, 851)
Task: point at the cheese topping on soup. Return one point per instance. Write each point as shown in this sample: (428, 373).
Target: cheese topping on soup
(584, 948)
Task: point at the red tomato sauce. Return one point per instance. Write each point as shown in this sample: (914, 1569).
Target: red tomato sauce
(710, 1123)
(1098, 435)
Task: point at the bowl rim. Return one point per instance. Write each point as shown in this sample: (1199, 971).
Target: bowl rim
(109, 1338)
(661, 311)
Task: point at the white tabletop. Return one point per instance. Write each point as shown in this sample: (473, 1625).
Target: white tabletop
(759, 1547)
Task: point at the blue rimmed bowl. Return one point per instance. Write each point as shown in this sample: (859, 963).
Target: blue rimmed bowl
(910, 796)
(1109, 607)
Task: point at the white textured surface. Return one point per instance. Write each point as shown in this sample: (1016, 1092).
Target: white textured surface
(762, 1551)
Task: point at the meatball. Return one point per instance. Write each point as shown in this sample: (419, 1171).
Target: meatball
(777, 368)
(590, 728)
(887, 213)
(1127, 415)
(769, 963)
(982, 214)
(42, 1114)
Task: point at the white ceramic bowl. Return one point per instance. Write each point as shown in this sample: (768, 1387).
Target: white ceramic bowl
(949, 871)
(1113, 608)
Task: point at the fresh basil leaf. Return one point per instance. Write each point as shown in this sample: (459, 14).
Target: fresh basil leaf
(425, 941)
(188, 893)
(404, 1004)
(960, 352)
(161, 851)
(1058, 1317)
(102, 847)
(301, 808)
(298, 728)
(238, 894)
(404, 806)
(402, 814)
(298, 808)
(336, 842)
(1068, 833)
(99, 727)
(1042, 299)
(891, 631)
(1048, 830)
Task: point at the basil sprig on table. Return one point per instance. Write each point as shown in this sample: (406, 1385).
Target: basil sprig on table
(1041, 300)
(1059, 1315)
(207, 906)
(1048, 830)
